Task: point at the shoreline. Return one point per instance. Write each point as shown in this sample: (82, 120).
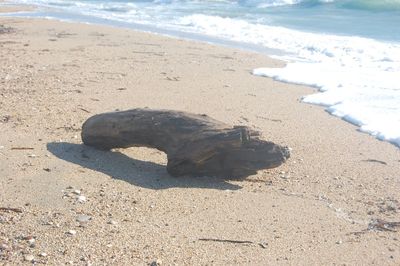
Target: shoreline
(56, 75)
(331, 101)
(169, 33)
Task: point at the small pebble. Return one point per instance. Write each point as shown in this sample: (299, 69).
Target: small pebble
(30, 258)
(112, 222)
(32, 242)
(71, 232)
(43, 254)
(81, 199)
(339, 242)
(83, 218)
(76, 192)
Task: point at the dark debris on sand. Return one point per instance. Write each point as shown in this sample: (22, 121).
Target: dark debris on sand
(5, 29)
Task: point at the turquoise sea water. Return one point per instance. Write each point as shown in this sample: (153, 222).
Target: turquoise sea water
(378, 19)
(348, 49)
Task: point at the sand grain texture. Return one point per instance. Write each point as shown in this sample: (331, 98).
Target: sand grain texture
(313, 210)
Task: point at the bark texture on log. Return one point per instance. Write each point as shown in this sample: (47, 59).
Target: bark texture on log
(195, 145)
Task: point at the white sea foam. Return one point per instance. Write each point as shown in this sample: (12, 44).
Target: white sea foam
(360, 85)
(359, 78)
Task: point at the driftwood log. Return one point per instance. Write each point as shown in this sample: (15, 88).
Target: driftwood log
(195, 145)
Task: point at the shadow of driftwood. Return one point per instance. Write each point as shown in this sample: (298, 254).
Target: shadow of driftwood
(136, 172)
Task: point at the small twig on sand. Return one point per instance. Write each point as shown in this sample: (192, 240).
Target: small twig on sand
(226, 241)
(69, 128)
(375, 161)
(173, 78)
(256, 181)
(83, 109)
(22, 148)
(382, 225)
(10, 209)
(378, 225)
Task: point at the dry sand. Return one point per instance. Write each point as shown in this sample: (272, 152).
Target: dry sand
(319, 208)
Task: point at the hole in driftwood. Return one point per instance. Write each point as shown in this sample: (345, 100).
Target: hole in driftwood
(145, 154)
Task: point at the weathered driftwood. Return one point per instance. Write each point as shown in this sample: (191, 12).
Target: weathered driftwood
(195, 144)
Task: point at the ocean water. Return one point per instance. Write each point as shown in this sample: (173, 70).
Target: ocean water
(348, 49)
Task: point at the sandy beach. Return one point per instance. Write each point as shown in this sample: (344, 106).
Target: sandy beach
(334, 202)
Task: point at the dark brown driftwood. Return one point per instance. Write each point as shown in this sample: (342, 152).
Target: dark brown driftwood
(195, 144)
